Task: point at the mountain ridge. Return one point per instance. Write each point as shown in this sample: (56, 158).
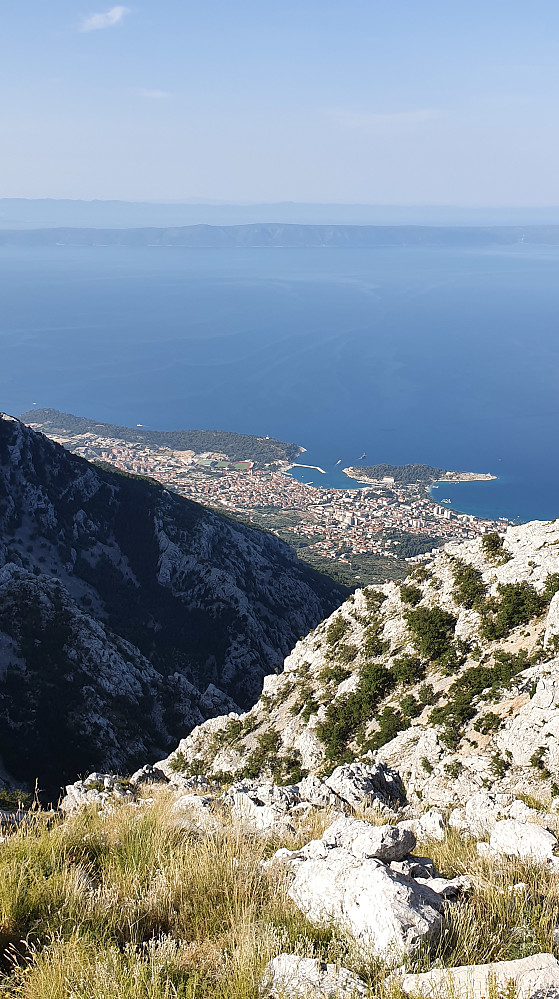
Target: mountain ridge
(285, 234)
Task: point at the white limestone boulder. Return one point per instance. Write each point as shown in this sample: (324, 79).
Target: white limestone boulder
(362, 839)
(97, 789)
(263, 819)
(535, 977)
(364, 783)
(525, 840)
(387, 914)
(289, 976)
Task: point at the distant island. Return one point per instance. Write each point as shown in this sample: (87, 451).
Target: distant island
(408, 475)
(289, 235)
(238, 447)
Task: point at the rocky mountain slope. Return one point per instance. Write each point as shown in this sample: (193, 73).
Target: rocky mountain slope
(451, 678)
(128, 614)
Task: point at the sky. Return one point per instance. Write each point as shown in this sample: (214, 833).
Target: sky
(410, 102)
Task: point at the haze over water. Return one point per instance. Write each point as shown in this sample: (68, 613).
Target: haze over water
(449, 358)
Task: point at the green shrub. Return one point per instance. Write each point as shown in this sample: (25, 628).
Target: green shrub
(336, 630)
(551, 587)
(460, 706)
(373, 645)
(453, 769)
(410, 594)
(335, 673)
(373, 598)
(408, 670)
(426, 694)
(488, 723)
(469, 588)
(431, 629)
(390, 722)
(493, 549)
(420, 573)
(453, 658)
(346, 715)
(410, 707)
(516, 604)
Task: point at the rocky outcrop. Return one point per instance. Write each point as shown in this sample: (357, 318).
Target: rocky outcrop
(448, 680)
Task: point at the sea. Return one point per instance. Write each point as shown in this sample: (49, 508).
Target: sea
(448, 357)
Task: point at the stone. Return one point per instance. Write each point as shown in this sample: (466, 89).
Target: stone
(387, 914)
(552, 622)
(415, 867)
(97, 789)
(432, 825)
(259, 818)
(289, 976)
(195, 811)
(363, 783)
(363, 839)
(148, 775)
(535, 977)
(524, 840)
(315, 792)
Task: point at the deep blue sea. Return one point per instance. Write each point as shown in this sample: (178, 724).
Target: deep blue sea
(445, 357)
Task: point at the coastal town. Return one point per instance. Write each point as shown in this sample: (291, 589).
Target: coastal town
(386, 521)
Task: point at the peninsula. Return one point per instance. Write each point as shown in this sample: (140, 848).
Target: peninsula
(410, 475)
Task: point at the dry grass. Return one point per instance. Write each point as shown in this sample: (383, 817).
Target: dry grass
(132, 905)
(495, 921)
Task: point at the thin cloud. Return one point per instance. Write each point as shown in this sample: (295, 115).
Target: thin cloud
(106, 20)
(374, 122)
(154, 95)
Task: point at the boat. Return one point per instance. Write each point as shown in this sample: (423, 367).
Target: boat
(339, 461)
(363, 456)
(139, 424)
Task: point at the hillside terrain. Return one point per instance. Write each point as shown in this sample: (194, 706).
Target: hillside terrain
(128, 614)
(239, 447)
(451, 678)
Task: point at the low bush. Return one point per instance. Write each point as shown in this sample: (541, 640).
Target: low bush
(431, 629)
(493, 548)
(410, 594)
(516, 604)
(336, 630)
(469, 588)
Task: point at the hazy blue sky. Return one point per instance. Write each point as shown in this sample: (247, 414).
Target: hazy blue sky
(379, 101)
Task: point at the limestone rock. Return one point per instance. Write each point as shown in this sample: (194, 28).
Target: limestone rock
(552, 622)
(148, 775)
(195, 811)
(387, 914)
(288, 976)
(524, 840)
(97, 789)
(534, 977)
(363, 783)
(362, 839)
(258, 818)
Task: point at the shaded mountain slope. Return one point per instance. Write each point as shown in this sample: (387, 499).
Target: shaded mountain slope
(181, 610)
